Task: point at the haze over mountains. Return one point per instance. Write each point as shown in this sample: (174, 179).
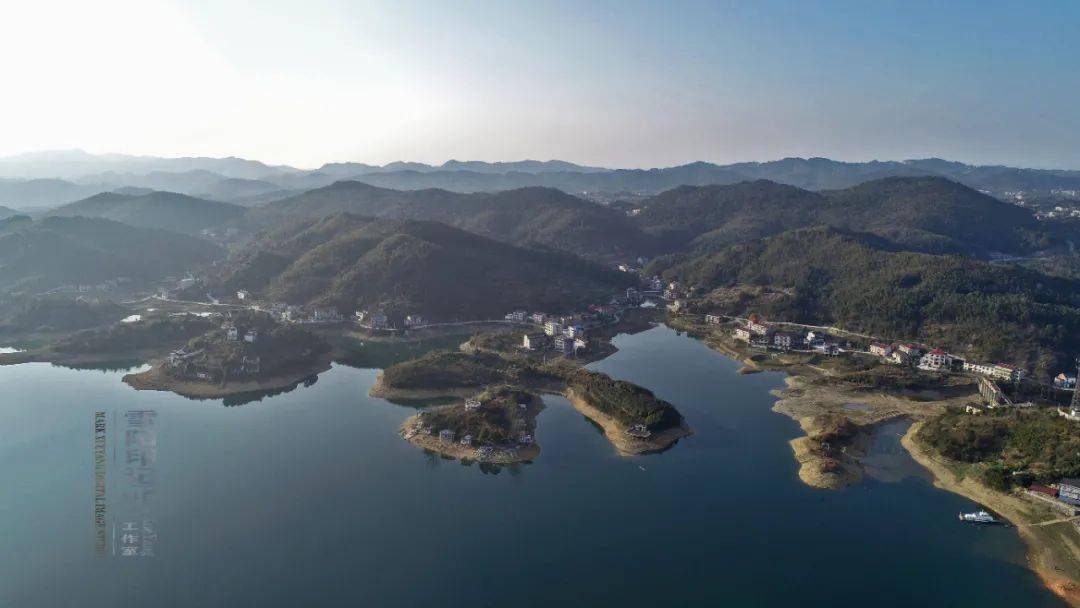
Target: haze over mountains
(48, 179)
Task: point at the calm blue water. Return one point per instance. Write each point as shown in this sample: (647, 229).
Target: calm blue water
(309, 498)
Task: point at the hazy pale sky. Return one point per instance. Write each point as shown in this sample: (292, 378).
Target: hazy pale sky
(618, 83)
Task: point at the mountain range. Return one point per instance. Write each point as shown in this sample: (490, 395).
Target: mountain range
(161, 210)
(930, 214)
(46, 179)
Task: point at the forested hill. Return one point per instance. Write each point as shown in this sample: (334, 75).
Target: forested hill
(929, 214)
(164, 210)
(991, 312)
(409, 266)
(528, 217)
(40, 255)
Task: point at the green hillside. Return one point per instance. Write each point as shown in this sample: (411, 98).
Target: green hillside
(163, 210)
(991, 312)
(532, 217)
(40, 255)
(408, 266)
(929, 214)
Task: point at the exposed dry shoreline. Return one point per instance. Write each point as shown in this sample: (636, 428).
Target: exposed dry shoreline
(1053, 551)
(155, 379)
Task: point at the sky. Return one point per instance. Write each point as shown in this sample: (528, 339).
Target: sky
(619, 84)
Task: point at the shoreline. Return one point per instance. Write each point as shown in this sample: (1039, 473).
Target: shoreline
(455, 450)
(628, 445)
(1048, 553)
(154, 380)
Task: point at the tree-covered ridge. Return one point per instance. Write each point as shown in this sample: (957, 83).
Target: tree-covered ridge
(990, 312)
(929, 214)
(1042, 446)
(532, 217)
(41, 255)
(162, 210)
(429, 268)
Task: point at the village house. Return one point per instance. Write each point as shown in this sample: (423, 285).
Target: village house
(997, 371)
(243, 294)
(880, 349)
(564, 345)
(676, 305)
(784, 340)
(911, 350)
(517, 316)
(415, 320)
(181, 355)
(467, 441)
(539, 318)
(534, 341)
(976, 410)
(472, 403)
(553, 328)
(1063, 381)
(447, 435)
(251, 335)
(232, 334)
(899, 357)
(741, 333)
(574, 331)
(580, 343)
(1069, 491)
(756, 325)
(712, 319)
(936, 360)
(992, 393)
(826, 348)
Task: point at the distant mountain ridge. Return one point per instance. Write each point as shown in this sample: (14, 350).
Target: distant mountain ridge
(930, 214)
(160, 210)
(534, 217)
(77, 174)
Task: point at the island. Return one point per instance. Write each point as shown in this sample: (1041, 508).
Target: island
(633, 419)
(250, 351)
(496, 425)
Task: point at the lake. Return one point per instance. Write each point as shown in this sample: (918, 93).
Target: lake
(310, 498)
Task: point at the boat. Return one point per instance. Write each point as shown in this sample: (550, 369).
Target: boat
(978, 517)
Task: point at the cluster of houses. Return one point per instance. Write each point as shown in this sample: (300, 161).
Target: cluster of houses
(1066, 491)
(194, 363)
(567, 335)
(938, 360)
(449, 436)
(757, 333)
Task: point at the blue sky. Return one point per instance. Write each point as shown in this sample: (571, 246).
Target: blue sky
(636, 84)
